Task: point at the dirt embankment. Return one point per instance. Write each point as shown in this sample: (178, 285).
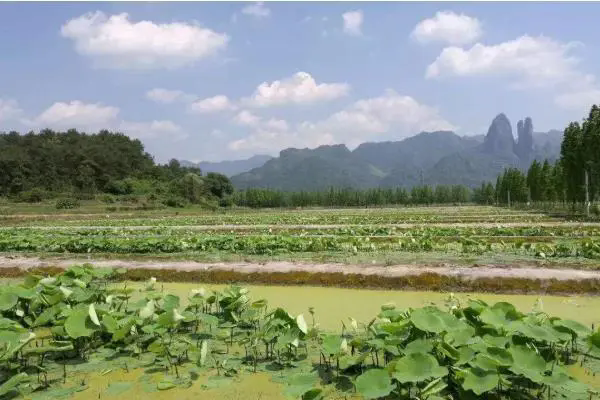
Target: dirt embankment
(457, 271)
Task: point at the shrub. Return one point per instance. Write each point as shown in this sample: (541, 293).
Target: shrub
(107, 198)
(67, 204)
(34, 195)
(130, 198)
(175, 201)
(84, 195)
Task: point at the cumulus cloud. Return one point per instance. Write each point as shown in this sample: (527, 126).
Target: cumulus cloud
(366, 119)
(9, 109)
(78, 115)
(531, 62)
(258, 10)
(117, 42)
(449, 27)
(212, 105)
(148, 130)
(353, 21)
(301, 88)
(246, 118)
(167, 96)
(538, 61)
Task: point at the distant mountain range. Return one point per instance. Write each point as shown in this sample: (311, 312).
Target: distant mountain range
(433, 158)
(229, 168)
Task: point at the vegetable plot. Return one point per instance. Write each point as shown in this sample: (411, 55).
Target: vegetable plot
(80, 319)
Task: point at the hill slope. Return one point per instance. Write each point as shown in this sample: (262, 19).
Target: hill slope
(229, 168)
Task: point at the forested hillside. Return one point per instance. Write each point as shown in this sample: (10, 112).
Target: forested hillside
(50, 164)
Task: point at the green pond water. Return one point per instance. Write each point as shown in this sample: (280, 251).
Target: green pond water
(331, 305)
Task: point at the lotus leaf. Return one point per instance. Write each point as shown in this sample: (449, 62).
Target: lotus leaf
(374, 383)
(418, 367)
(301, 323)
(170, 302)
(575, 327)
(8, 300)
(299, 384)
(313, 394)
(332, 345)
(528, 363)
(428, 319)
(93, 315)
(418, 346)
(432, 388)
(79, 324)
(13, 383)
(480, 381)
(148, 310)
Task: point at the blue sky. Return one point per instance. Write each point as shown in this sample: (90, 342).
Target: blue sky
(213, 81)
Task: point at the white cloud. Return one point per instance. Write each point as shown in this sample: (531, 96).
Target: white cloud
(386, 115)
(258, 10)
(277, 124)
(301, 88)
(167, 96)
(116, 42)
(448, 27)
(78, 115)
(537, 61)
(153, 129)
(212, 105)
(531, 62)
(353, 22)
(246, 118)
(9, 109)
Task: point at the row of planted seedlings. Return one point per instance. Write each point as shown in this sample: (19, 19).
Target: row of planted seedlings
(284, 244)
(383, 231)
(468, 351)
(318, 217)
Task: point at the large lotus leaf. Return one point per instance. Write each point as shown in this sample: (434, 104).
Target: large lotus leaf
(23, 292)
(81, 295)
(594, 341)
(148, 310)
(31, 281)
(432, 388)
(575, 327)
(564, 383)
(301, 323)
(299, 384)
(465, 354)
(418, 367)
(332, 344)
(460, 334)
(170, 302)
(480, 381)
(418, 346)
(496, 341)
(428, 319)
(12, 383)
(374, 383)
(79, 324)
(495, 317)
(93, 315)
(110, 324)
(528, 363)
(48, 315)
(8, 300)
(500, 356)
(483, 362)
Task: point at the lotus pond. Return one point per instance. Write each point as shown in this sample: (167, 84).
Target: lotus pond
(83, 335)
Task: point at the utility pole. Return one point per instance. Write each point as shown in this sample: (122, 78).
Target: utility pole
(508, 198)
(587, 195)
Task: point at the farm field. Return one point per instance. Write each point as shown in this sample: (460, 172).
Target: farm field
(147, 329)
(468, 234)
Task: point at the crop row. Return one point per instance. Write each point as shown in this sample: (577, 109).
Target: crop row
(558, 231)
(286, 218)
(276, 244)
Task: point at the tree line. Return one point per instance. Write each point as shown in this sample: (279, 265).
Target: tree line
(348, 197)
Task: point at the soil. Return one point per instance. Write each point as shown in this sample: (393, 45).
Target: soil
(463, 271)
